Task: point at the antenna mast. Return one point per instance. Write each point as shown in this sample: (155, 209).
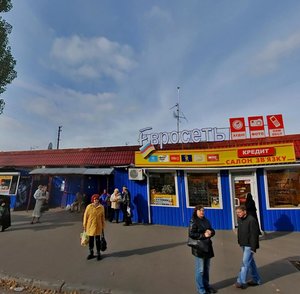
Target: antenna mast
(177, 110)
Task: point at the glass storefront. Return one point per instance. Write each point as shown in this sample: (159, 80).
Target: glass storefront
(162, 189)
(203, 189)
(284, 188)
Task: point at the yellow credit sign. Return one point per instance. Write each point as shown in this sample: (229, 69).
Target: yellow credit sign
(238, 156)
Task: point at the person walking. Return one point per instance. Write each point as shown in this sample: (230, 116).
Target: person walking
(39, 196)
(251, 208)
(115, 200)
(93, 225)
(126, 206)
(4, 215)
(200, 229)
(248, 238)
(105, 201)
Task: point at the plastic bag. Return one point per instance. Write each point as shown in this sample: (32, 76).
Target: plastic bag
(84, 239)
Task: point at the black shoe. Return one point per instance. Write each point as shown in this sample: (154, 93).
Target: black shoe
(211, 290)
(240, 286)
(91, 255)
(252, 283)
(99, 257)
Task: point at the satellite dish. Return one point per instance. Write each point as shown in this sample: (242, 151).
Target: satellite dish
(50, 146)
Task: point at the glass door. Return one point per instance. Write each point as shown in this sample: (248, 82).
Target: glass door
(241, 185)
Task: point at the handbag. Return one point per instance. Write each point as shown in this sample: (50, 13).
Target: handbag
(45, 207)
(84, 239)
(103, 243)
(199, 244)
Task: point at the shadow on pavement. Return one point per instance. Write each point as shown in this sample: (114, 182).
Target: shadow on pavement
(146, 250)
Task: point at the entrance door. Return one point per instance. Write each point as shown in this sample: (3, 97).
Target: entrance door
(241, 185)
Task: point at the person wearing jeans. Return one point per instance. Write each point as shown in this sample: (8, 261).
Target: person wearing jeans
(201, 230)
(248, 239)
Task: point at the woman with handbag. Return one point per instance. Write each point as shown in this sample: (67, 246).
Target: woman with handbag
(93, 225)
(201, 230)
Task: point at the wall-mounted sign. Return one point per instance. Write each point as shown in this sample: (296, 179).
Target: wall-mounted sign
(256, 155)
(237, 128)
(256, 126)
(275, 125)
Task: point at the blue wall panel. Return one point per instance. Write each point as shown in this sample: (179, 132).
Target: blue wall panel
(275, 219)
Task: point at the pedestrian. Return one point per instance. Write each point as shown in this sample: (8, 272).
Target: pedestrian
(93, 225)
(4, 215)
(126, 200)
(105, 201)
(115, 200)
(40, 197)
(77, 205)
(248, 239)
(200, 229)
(251, 208)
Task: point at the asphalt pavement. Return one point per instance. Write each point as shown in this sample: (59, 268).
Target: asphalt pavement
(140, 259)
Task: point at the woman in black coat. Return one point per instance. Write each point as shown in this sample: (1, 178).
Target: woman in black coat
(201, 229)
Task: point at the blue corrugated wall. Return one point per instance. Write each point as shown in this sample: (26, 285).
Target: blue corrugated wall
(180, 216)
(275, 219)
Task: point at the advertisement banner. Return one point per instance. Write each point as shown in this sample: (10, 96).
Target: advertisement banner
(224, 157)
(237, 128)
(256, 126)
(275, 125)
(5, 182)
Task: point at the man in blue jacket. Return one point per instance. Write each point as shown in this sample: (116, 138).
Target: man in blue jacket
(248, 239)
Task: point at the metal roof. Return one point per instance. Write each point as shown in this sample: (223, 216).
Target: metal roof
(71, 171)
(120, 155)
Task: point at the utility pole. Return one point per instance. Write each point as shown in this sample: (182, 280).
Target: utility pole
(58, 136)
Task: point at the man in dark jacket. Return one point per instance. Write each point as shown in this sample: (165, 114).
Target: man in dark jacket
(248, 239)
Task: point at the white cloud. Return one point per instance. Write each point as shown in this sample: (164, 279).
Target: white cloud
(91, 58)
(270, 57)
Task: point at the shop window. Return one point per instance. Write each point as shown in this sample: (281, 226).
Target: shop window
(162, 189)
(203, 189)
(284, 188)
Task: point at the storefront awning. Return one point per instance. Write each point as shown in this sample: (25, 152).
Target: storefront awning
(72, 171)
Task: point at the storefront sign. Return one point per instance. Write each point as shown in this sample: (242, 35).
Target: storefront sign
(256, 155)
(185, 136)
(256, 126)
(275, 125)
(256, 152)
(237, 128)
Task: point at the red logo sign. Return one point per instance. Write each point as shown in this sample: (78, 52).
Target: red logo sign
(237, 128)
(256, 152)
(175, 158)
(256, 126)
(275, 125)
(212, 157)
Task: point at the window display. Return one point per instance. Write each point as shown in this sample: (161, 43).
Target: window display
(284, 188)
(203, 189)
(162, 189)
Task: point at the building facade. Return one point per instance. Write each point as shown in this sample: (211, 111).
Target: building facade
(167, 184)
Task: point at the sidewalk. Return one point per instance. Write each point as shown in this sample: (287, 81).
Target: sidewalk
(140, 259)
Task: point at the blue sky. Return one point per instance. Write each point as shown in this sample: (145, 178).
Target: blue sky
(103, 70)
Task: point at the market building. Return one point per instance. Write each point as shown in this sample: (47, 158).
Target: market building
(168, 179)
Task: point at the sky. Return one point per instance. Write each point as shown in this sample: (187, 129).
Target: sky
(104, 69)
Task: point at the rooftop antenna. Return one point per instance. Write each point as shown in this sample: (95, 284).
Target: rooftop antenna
(177, 113)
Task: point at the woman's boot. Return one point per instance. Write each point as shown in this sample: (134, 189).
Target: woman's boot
(91, 255)
(98, 255)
